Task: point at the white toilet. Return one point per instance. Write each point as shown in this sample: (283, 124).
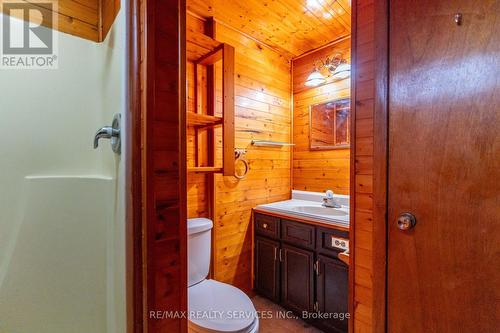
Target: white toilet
(213, 306)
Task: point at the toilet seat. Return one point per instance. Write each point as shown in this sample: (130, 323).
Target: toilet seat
(219, 307)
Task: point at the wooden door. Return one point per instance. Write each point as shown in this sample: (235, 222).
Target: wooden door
(267, 268)
(332, 288)
(444, 166)
(297, 285)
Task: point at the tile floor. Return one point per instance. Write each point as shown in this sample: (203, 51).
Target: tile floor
(273, 324)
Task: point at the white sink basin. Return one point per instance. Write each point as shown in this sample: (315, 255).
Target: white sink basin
(319, 210)
(311, 208)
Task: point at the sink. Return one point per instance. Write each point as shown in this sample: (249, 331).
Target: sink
(309, 206)
(319, 210)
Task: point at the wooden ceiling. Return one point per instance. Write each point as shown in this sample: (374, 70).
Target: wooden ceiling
(292, 27)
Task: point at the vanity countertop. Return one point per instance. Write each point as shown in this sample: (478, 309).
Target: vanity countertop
(307, 207)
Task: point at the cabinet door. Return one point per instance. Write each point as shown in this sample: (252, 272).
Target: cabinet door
(297, 284)
(332, 292)
(267, 268)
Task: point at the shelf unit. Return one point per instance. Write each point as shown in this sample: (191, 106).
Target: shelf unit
(203, 120)
(267, 143)
(205, 169)
(205, 51)
(213, 64)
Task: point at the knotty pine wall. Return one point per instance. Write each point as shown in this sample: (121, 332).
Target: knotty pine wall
(318, 170)
(163, 160)
(263, 112)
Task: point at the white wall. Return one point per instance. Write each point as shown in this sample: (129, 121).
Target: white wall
(47, 122)
(113, 79)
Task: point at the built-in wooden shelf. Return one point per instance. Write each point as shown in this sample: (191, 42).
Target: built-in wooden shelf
(205, 140)
(198, 45)
(205, 169)
(267, 143)
(212, 57)
(203, 120)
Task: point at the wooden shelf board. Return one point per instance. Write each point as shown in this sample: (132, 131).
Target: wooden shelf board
(205, 169)
(212, 57)
(197, 119)
(199, 45)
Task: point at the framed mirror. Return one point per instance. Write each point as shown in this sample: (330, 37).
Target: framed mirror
(329, 125)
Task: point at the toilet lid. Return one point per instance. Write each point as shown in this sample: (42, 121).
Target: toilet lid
(220, 307)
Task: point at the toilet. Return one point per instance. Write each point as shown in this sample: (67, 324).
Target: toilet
(213, 306)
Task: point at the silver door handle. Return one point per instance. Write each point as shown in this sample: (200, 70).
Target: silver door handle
(112, 132)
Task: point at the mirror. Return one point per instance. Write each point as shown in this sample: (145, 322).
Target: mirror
(329, 124)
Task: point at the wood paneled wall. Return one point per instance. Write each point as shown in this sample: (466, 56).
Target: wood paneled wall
(164, 163)
(88, 19)
(370, 168)
(263, 111)
(318, 170)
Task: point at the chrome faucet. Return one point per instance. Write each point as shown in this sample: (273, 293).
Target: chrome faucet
(106, 132)
(110, 132)
(329, 201)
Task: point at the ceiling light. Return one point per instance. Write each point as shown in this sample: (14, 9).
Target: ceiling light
(313, 4)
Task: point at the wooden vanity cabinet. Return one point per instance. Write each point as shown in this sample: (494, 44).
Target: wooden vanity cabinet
(297, 267)
(267, 268)
(297, 278)
(298, 234)
(332, 290)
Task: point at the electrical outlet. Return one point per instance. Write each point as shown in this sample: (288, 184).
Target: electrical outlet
(340, 243)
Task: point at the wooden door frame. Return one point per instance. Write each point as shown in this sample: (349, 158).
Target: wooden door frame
(378, 13)
(352, 169)
(380, 164)
(138, 108)
(134, 177)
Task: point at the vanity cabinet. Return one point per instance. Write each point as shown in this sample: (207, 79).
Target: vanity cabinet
(332, 290)
(297, 278)
(267, 268)
(297, 266)
(299, 234)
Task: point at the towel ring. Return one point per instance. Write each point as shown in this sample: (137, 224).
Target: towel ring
(238, 154)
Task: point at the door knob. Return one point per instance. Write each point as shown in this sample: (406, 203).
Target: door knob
(406, 221)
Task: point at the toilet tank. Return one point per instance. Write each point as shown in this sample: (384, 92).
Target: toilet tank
(199, 247)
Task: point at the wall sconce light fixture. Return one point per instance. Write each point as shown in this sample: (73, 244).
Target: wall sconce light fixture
(336, 67)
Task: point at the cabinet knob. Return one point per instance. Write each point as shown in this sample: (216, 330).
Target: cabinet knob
(406, 221)
(264, 226)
